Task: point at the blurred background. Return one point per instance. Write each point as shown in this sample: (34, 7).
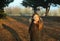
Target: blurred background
(15, 8)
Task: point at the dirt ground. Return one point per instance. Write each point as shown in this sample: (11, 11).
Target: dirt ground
(16, 29)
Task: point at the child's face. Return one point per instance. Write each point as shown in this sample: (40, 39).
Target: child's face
(36, 18)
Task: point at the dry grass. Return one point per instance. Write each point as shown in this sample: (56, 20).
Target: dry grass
(19, 29)
(14, 30)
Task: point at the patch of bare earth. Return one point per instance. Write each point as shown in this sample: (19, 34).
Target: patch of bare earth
(11, 30)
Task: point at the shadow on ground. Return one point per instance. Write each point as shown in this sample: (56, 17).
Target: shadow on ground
(13, 32)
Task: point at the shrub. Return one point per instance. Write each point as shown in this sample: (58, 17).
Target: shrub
(2, 15)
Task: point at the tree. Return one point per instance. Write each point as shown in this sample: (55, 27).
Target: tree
(48, 3)
(44, 3)
(32, 3)
(36, 3)
(4, 3)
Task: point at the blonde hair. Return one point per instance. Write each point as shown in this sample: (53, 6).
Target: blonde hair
(37, 24)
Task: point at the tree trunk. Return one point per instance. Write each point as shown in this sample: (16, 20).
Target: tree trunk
(35, 9)
(47, 11)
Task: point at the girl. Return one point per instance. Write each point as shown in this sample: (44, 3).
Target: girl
(35, 28)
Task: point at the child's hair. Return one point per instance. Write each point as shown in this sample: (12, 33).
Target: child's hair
(32, 22)
(34, 15)
(37, 24)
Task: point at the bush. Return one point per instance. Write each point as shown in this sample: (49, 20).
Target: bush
(2, 15)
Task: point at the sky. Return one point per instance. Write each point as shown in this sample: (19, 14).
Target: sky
(18, 4)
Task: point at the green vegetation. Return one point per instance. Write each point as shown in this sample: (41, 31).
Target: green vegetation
(44, 3)
(2, 14)
(4, 3)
